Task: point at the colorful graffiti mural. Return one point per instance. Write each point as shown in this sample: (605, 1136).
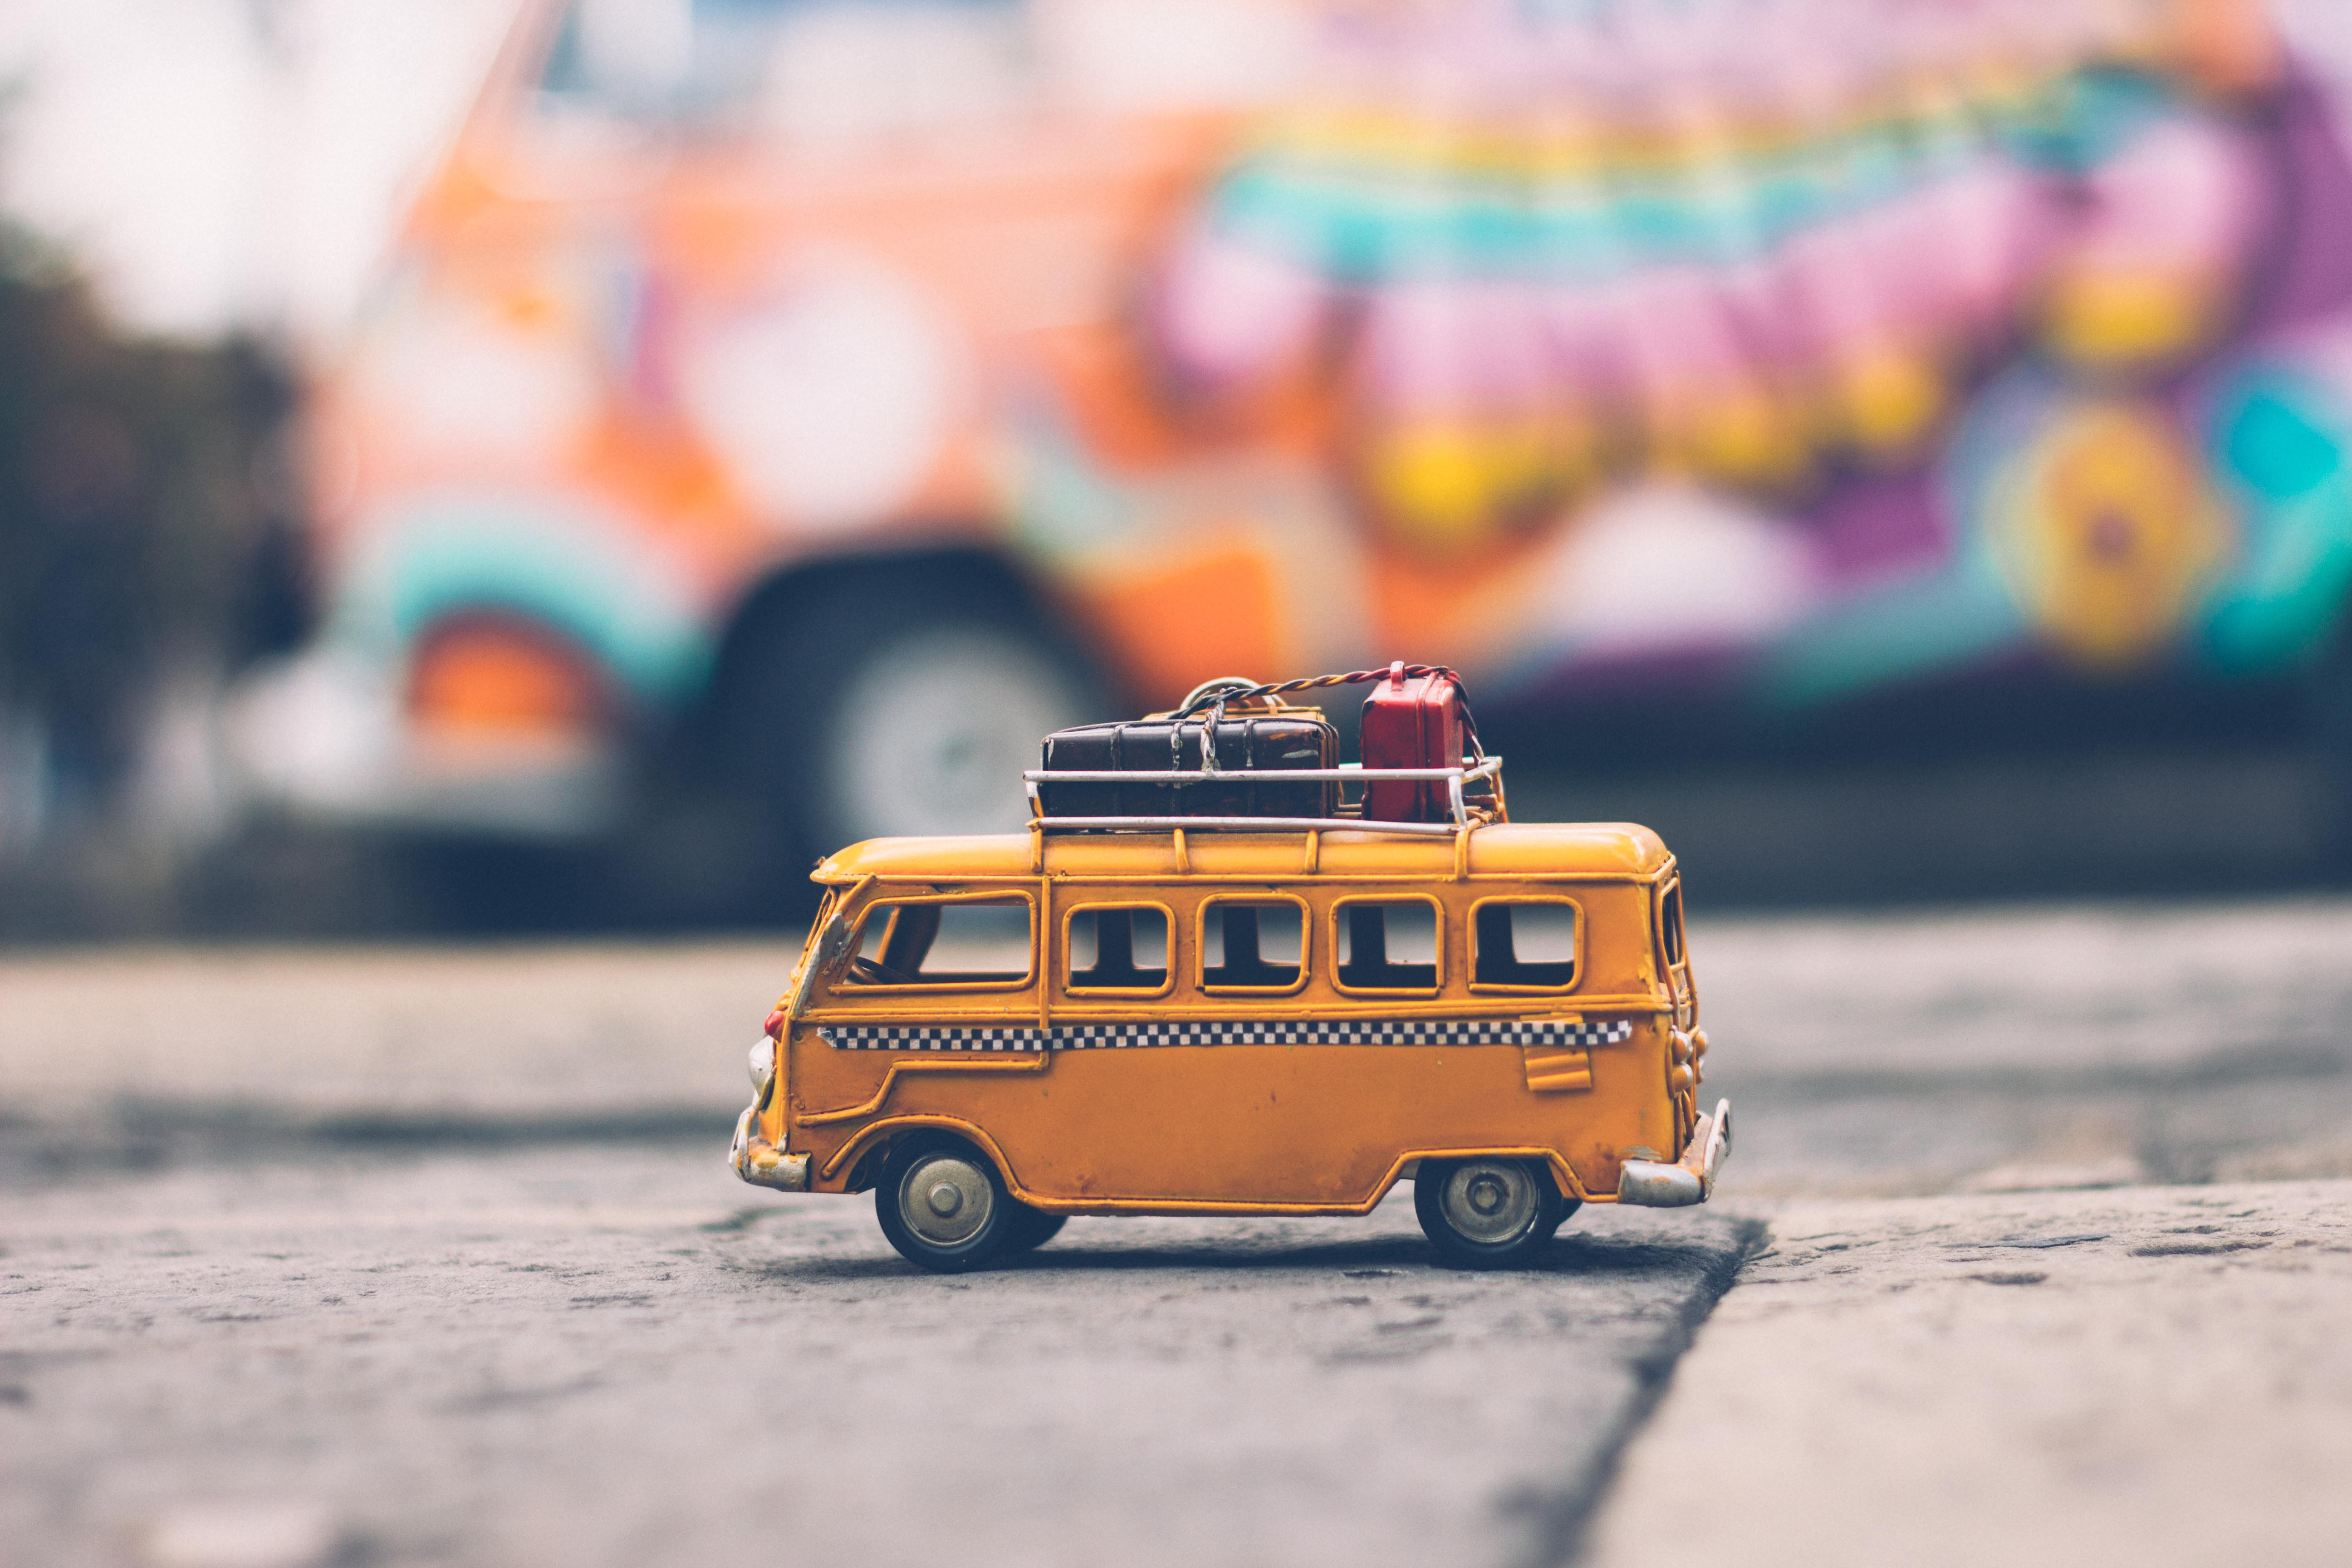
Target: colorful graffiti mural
(1844, 341)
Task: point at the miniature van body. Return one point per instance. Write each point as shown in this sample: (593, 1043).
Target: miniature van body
(1267, 1018)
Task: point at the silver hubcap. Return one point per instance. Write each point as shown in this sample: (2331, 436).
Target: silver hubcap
(932, 733)
(945, 1199)
(1490, 1201)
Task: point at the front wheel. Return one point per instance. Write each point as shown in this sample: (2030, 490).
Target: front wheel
(1488, 1213)
(944, 1206)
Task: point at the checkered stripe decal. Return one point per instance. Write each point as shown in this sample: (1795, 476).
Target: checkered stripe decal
(1273, 1032)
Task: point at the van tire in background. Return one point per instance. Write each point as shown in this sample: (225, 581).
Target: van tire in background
(1488, 1213)
(894, 697)
(2330, 740)
(943, 1205)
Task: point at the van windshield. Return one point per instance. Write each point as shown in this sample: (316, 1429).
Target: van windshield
(968, 942)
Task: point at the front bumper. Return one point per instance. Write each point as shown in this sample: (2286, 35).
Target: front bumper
(1653, 1183)
(763, 1165)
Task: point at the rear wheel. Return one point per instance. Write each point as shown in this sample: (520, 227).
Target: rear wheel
(944, 1206)
(1488, 1214)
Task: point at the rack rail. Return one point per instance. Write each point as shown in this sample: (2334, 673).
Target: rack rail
(1460, 813)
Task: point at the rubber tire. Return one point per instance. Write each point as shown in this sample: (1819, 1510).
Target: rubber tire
(1461, 1251)
(975, 1251)
(1030, 1229)
(783, 710)
(2328, 719)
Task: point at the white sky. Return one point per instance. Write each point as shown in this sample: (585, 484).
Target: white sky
(220, 163)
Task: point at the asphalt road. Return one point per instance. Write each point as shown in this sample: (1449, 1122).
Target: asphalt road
(395, 1255)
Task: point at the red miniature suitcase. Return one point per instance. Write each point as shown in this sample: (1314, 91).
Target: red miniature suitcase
(1412, 722)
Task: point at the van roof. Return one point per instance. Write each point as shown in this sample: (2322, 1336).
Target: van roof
(1587, 849)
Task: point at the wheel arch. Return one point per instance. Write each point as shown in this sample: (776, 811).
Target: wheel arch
(774, 608)
(866, 1152)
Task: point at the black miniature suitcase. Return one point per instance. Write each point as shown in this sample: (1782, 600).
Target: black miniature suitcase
(1247, 741)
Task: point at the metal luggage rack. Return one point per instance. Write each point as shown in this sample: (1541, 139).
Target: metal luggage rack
(1463, 817)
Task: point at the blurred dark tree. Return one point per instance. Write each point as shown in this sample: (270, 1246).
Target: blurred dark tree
(146, 524)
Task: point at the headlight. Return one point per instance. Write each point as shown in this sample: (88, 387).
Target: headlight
(762, 1062)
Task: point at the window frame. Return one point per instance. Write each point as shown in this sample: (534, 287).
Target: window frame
(1201, 982)
(839, 989)
(1673, 937)
(1437, 907)
(1498, 988)
(1067, 987)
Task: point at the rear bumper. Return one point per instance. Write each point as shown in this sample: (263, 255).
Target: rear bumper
(1653, 1183)
(763, 1165)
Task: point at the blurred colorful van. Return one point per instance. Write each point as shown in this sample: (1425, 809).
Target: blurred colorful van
(824, 398)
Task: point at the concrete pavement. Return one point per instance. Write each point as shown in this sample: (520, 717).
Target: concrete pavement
(538, 1358)
(2156, 1375)
(412, 1254)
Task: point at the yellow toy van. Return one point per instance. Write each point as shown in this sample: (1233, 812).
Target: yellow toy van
(1236, 1015)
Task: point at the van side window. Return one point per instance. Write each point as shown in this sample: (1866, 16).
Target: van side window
(1670, 921)
(1525, 943)
(1253, 943)
(974, 942)
(841, 73)
(1386, 944)
(1121, 948)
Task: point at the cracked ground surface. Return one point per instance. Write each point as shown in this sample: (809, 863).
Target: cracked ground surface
(2156, 1375)
(405, 1255)
(527, 1358)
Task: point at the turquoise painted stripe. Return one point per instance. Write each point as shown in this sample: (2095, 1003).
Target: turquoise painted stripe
(1369, 219)
(591, 577)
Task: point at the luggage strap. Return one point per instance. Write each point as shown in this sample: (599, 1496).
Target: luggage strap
(1214, 694)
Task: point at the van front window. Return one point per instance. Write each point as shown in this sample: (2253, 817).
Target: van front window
(968, 942)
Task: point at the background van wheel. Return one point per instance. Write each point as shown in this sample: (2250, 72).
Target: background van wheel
(893, 700)
(1488, 1214)
(1027, 1229)
(944, 1206)
(2329, 717)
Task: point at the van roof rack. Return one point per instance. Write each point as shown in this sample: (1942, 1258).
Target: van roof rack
(1461, 814)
